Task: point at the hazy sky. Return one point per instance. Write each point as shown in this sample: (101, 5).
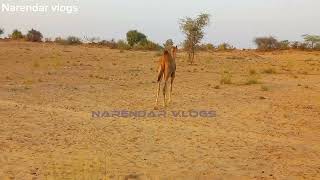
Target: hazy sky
(233, 21)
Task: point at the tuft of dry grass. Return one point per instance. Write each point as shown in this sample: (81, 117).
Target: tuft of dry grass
(265, 88)
(269, 71)
(226, 79)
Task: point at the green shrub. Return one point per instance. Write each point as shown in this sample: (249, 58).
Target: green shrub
(1, 31)
(16, 34)
(34, 36)
(147, 45)
(123, 45)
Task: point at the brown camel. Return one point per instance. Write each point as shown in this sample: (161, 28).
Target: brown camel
(167, 69)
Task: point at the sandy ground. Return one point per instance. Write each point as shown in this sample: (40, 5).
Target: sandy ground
(267, 123)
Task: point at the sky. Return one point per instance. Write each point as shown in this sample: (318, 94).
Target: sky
(236, 22)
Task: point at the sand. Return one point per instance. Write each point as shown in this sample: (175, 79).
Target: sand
(266, 126)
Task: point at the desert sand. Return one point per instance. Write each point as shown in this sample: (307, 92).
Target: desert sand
(267, 120)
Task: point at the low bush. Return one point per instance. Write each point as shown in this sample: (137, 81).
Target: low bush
(147, 45)
(71, 40)
(123, 45)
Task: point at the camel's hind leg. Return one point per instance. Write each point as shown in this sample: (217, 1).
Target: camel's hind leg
(164, 92)
(160, 76)
(171, 85)
(158, 92)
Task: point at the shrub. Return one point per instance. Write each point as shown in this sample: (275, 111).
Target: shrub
(1, 31)
(134, 37)
(16, 34)
(225, 46)
(147, 45)
(48, 40)
(266, 43)
(110, 44)
(284, 45)
(60, 40)
(206, 47)
(72, 40)
(121, 44)
(294, 45)
(34, 36)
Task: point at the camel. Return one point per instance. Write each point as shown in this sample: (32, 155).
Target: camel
(167, 69)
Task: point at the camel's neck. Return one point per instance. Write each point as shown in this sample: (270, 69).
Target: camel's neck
(174, 55)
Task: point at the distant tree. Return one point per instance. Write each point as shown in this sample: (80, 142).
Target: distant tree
(312, 40)
(168, 44)
(16, 34)
(34, 36)
(194, 32)
(1, 31)
(266, 43)
(134, 37)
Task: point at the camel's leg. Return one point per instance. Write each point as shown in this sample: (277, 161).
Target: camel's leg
(164, 93)
(171, 84)
(158, 92)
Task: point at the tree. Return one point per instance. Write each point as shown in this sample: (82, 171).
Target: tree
(34, 36)
(311, 40)
(134, 37)
(194, 32)
(16, 34)
(168, 44)
(1, 31)
(266, 43)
